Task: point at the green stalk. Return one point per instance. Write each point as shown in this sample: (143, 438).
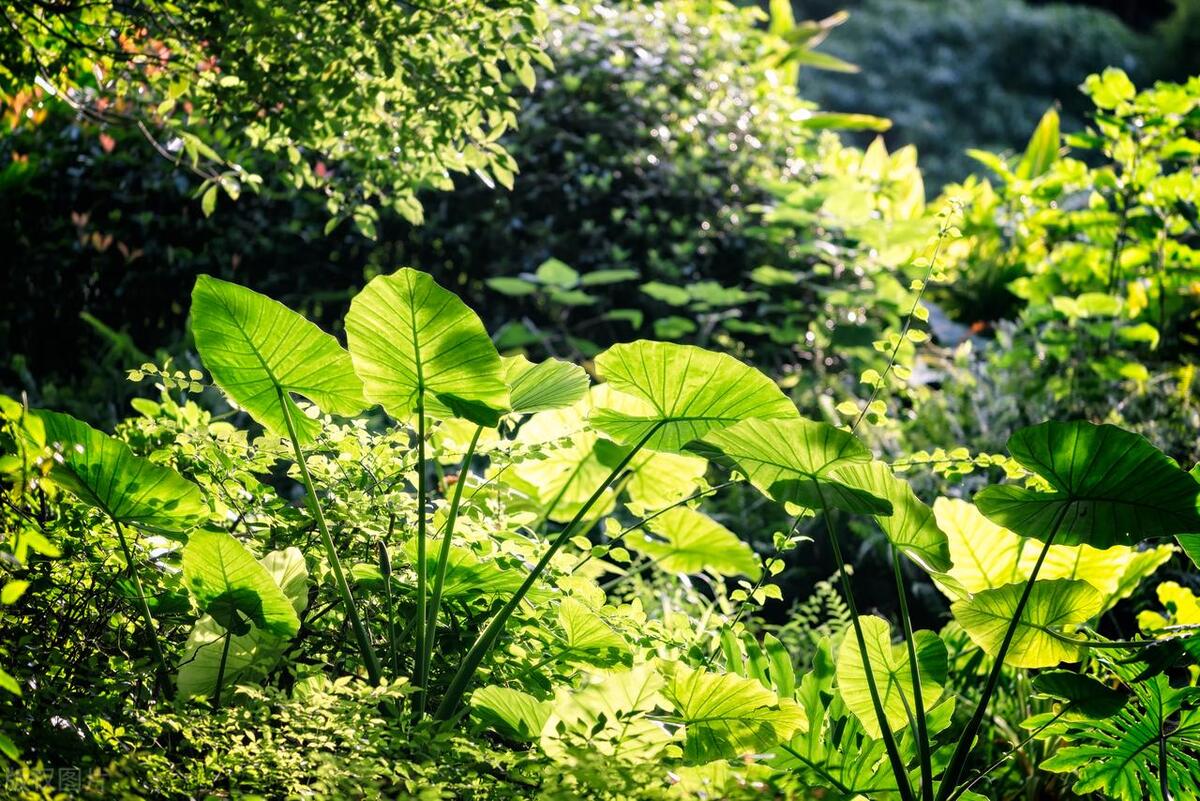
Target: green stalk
(221, 669)
(958, 761)
(483, 644)
(385, 570)
(889, 740)
(918, 702)
(421, 567)
(335, 564)
(144, 609)
(439, 580)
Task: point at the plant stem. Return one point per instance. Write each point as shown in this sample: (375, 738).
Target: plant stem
(918, 701)
(439, 580)
(221, 669)
(385, 569)
(335, 564)
(144, 609)
(1009, 754)
(962, 750)
(483, 644)
(421, 567)
(889, 740)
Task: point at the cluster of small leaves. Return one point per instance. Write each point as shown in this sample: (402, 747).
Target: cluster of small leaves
(190, 381)
(368, 106)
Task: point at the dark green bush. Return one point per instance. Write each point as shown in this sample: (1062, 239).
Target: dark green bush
(646, 148)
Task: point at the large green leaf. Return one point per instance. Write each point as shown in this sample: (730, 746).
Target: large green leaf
(681, 392)
(727, 716)
(609, 712)
(797, 461)
(234, 588)
(1153, 740)
(890, 667)
(1109, 486)
(514, 714)
(1191, 542)
(540, 387)
(986, 555)
(255, 347)
(587, 638)
(104, 472)
(912, 526)
(1084, 697)
(1053, 605)
(252, 655)
(414, 342)
(690, 541)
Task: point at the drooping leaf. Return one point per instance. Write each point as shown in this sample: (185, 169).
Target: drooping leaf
(1054, 605)
(1087, 697)
(1191, 542)
(103, 472)
(727, 716)
(514, 714)
(252, 655)
(912, 526)
(551, 384)
(413, 342)
(1109, 486)
(255, 346)
(229, 584)
(587, 638)
(797, 461)
(690, 541)
(891, 669)
(681, 392)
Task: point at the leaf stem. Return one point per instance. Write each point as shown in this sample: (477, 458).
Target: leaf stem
(962, 750)
(221, 669)
(335, 564)
(439, 580)
(144, 609)
(422, 634)
(918, 700)
(483, 644)
(889, 740)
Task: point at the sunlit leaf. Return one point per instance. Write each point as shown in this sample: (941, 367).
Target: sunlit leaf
(890, 666)
(551, 384)
(1056, 605)
(229, 584)
(514, 714)
(255, 347)
(797, 461)
(103, 472)
(413, 342)
(680, 392)
(687, 541)
(727, 716)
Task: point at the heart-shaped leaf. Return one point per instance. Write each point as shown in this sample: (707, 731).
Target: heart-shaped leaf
(1053, 605)
(259, 351)
(1109, 487)
(797, 461)
(103, 472)
(251, 655)
(230, 585)
(416, 344)
(692, 541)
(680, 392)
